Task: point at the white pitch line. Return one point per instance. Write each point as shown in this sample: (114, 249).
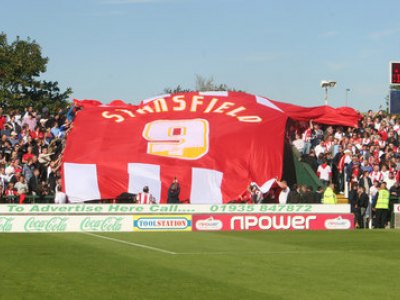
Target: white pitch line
(276, 252)
(259, 252)
(291, 252)
(131, 243)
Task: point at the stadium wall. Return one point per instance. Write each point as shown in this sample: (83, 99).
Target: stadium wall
(34, 218)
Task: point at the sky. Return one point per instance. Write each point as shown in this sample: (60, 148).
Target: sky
(134, 49)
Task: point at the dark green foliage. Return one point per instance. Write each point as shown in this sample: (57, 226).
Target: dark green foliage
(202, 84)
(21, 64)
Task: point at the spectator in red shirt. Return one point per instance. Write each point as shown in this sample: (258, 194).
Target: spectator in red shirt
(3, 119)
(11, 193)
(28, 155)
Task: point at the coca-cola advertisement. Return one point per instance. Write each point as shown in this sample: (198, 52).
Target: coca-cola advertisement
(66, 223)
(226, 222)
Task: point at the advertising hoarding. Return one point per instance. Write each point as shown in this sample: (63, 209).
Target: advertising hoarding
(107, 209)
(396, 217)
(216, 222)
(64, 223)
(162, 223)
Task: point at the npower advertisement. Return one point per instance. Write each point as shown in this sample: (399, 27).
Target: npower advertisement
(216, 222)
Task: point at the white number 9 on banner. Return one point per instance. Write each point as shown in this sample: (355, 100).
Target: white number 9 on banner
(183, 139)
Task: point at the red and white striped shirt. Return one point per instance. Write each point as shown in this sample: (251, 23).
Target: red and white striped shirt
(328, 145)
(376, 176)
(145, 198)
(307, 135)
(324, 172)
(366, 141)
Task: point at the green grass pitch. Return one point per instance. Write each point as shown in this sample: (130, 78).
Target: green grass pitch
(201, 265)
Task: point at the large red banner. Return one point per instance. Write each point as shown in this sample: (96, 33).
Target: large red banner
(225, 222)
(214, 143)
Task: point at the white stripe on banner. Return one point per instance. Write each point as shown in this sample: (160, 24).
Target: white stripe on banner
(154, 98)
(141, 175)
(81, 182)
(214, 93)
(266, 102)
(206, 186)
(267, 185)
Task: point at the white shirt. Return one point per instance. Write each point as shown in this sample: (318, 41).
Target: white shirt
(60, 198)
(385, 176)
(299, 144)
(283, 196)
(339, 135)
(373, 190)
(376, 176)
(324, 173)
(319, 149)
(347, 159)
(22, 188)
(390, 183)
(9, 170)
(4, 178)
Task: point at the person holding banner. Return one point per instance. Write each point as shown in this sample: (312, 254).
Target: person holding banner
(173, 192)
(256, 194)
(145, 197)
(283, 195)
(60, 197)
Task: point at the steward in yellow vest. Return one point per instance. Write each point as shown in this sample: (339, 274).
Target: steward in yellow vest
(329, 195)
(382, 206)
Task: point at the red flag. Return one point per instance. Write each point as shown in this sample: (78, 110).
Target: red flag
(22, 198)
(215, 143)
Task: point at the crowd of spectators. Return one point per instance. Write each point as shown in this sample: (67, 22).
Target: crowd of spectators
(361, 158)
(31, 145)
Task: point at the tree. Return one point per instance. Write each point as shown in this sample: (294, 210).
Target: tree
(387, 100)
(202, 84)
(176, 90)
(21, 64)
(208, 84)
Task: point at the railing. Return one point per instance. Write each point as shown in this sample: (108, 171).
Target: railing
(28, 199)
(346, 185)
